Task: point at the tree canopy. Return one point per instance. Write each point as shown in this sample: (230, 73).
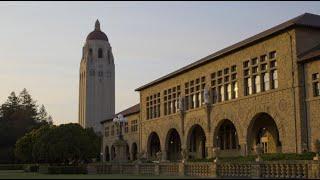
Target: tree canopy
(64, 144)
(18, 115)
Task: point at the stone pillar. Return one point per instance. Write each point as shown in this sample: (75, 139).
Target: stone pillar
(121, 151)
(243, 149)
(157, 169)
(210, 151)
(181, 169)
(256, 170)
(213, 170)
(314, 170)
(137, 168)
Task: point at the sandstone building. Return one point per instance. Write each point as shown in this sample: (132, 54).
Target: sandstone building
(97, 80)
(264, 89)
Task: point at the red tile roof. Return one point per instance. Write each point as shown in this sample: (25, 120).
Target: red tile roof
(129, 111)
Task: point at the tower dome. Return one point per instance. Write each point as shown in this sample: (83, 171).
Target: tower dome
(97, 34)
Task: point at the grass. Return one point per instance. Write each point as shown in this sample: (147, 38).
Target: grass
(19, 174)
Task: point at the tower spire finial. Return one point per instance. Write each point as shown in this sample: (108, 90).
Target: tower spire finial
(97, 25)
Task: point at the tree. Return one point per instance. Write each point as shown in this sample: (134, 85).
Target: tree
(24, 146)
(18, 115)
(64, 144)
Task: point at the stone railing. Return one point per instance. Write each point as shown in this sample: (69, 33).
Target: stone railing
(234, 169)
(198, 169)
(285, 169)
(169, 169)
(298, 169)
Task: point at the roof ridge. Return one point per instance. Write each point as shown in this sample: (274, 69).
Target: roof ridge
(299, 20)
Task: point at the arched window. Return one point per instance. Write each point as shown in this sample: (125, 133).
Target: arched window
(100, 53)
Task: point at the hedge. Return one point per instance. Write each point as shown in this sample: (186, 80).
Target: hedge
(11, 166)
(67, 170)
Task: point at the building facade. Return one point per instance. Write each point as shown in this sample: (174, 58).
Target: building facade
(97, 81)
(130, 132)
(263, 90)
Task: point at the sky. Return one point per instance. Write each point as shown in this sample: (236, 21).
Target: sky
(41, 42)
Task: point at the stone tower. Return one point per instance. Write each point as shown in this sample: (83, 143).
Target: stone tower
(97, 81)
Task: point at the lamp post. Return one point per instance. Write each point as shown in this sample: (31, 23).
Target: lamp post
(119, 121)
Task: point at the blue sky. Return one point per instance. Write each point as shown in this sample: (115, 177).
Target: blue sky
(41, 42)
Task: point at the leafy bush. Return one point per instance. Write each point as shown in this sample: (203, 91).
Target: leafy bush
(67, 170)
(11, 166)
(288, 156)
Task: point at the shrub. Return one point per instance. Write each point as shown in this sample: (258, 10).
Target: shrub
(67, 170)
(11, 166)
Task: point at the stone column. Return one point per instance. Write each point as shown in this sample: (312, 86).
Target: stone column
(157, 169)
(213, 170)
(243, 149)
(210, 151)
(256, 170)
(181, 169)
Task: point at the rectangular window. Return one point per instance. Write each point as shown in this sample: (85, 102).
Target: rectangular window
(255, 69)
(273, 64)
(194, 93)
(152, 106)
(246, 64)
(274, 80)
(263, 75)
(266, 82)
(263, 58)
(257, 84)
(222, 88)
(134, 125)
(126, 128)
(222, 93)
(316, 84)
(263, 67)
(229, 92)
(272, 55)
(254, 61)
(316, 87)
(233, 68)
(234, 90)
(249, 88)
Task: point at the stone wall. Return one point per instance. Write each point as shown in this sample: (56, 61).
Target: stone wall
(284, 104)
(299, 169)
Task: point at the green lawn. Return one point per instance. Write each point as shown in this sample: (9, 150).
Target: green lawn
(19, 174)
